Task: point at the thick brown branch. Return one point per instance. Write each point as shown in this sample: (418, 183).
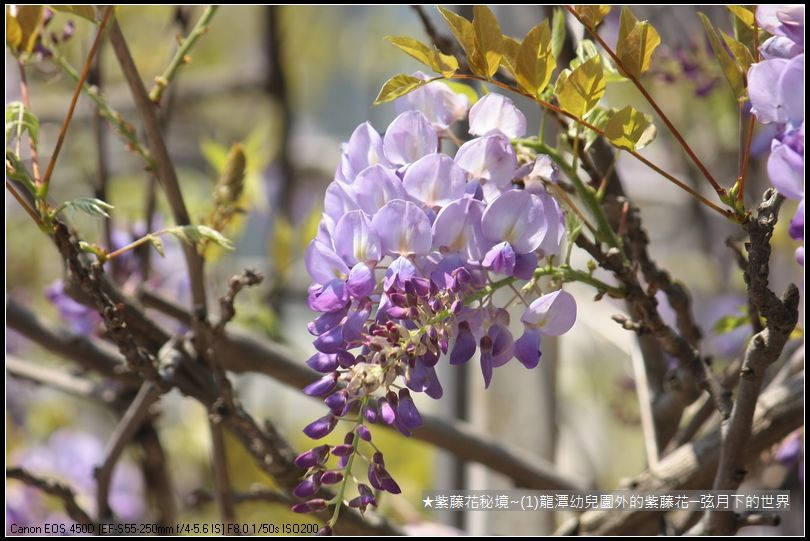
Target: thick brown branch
(764, 349)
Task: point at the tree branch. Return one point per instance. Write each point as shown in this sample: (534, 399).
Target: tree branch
(53, 488)
(763, 350)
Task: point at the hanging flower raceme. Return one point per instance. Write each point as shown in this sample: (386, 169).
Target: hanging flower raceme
(776, 91)
(412, 245)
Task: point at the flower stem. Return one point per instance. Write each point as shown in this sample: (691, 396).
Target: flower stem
(181, 56)
(341, 493)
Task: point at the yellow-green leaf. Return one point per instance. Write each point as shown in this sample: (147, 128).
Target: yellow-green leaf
(592, 15)
(535, 61)
(579, 91)
(25, 29)
(741, 53)
(744, 14)
(732, 71)
(511, 46)
(630, 129)
(488, 37)
(637, 43)
(85, 12)
(441, 63)
(397, 86)
(464, 33)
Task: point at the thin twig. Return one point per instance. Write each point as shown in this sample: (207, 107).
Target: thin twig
(257, 493)
(26, 99)
(133, 418)
(58, 379)
(53, 488)
(248, 278)
(75, 98)
(671, 127)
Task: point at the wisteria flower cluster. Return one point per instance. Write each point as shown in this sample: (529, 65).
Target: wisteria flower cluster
(776, 91)
(412, 245)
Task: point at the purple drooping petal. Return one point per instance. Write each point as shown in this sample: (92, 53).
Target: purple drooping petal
(437, 101)
(495, 113)
(323, 264)
(525, 265)
(374, 187)
(457, 228)
(330, 341)
(516, 217)
(552, 314)
(409, 137)
(329, 298)
(791, 86)
(502, 344)
(306, 488)
(773, 90)
(325, 322)
(336, 402)
(407, 413)
(361, 281)
(365, 148)
(527, 348)
(786, 170)
(491, 160)
(780, 47)
(338, 200)
(465, 345)
(353, 327)
(356, 240)
(486, 366)
(500, 259)
(403, 228)
(555, 225)
(782, 20)
(435, 180)
(796, 229)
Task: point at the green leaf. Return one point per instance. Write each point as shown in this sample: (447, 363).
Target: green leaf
(729, 322)
(630, 129)
(85, 12)
(196, 234)
(743, 14)
(740, 52)
(637, 43)
(579, 91)
(89, 205)
(464, 33)
(397, 86)
(25, 26)
(732, 71)
(15, 170)
(447, 65)
(20, 119)
(535, 62)
(557, 32)
(511, 46)
(461, 88)
(488, 38)
(592, 15)
(157, 244)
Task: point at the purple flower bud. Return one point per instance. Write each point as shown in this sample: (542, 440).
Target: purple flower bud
(500, 259)
(307, 488)
(312, 457)
(373, 478)
(321, 427)
(342, 450)
(370, 413)
(322, 386)
(331, 477)
(323, 362)
(345, 359)
(330, 341)
(387, 413)
(325, 530)
(336, 402)
(364, 433)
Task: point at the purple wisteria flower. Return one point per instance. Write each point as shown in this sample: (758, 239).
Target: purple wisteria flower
(412, 243)
(776, 91)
